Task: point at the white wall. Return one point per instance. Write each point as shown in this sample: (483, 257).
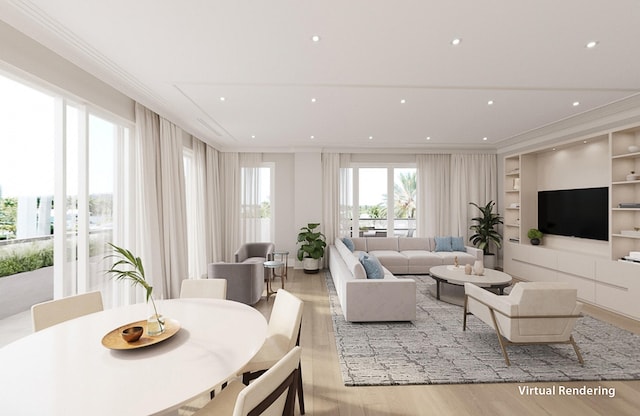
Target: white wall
(50, 70)
(283, 202)
(579, 166)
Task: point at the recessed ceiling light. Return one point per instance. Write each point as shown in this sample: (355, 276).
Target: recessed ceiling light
(429, 138)
(490, 102)
(585, 142)
(370, 137)
(484, 138)
(456, 41)
(313, 100)
(576, 103)
(222, 98)
(312, 137)
(315, 38)
(592, 44)
(253, 136)
(554, 149)
(403, 101)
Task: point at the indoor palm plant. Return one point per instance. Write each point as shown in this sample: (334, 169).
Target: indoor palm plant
(485, 232)
(311, 247)
(129, 267)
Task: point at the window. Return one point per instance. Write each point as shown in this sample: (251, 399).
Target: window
(255, 205)
(60, 169)
(371, 202)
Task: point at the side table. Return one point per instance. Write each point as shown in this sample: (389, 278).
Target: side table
(283, 256)
(272, 266)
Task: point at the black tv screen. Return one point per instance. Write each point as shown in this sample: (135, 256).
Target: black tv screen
(580, 213)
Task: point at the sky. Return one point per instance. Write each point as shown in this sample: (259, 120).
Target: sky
(27, 144)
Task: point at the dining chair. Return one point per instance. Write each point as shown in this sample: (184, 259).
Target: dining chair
(204, 288)
(46, 314)
(283, 334)
(273, 393)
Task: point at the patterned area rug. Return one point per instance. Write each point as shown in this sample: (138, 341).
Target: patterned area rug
(434, 350)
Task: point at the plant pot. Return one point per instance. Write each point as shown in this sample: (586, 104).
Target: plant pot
(535, 241)
(311, 265)
(489, 261)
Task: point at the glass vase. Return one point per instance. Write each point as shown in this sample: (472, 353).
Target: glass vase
(155, 320)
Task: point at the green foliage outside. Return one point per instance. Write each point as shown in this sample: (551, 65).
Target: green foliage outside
(8, 217)
(20, 258)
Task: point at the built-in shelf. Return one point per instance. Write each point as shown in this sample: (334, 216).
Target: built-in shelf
(634, 237)
(627, 155)
(625, 209)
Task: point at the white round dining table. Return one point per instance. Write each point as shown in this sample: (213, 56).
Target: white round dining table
(65, 369)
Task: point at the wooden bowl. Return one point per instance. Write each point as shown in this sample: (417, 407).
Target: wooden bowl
(132, 334)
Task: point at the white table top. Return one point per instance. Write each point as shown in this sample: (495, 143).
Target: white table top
(65, 369)
(457, 276)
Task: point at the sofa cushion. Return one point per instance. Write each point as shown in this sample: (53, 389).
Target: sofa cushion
(443, 244)
(420, 261)
(353, 264)
(457, 244)
(395, 261)
(372, 266)
(413, 243)
(359, 243)
(349, 243)
(449, 257)
(382, 243)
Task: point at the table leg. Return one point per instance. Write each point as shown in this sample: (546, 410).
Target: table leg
(438, 289)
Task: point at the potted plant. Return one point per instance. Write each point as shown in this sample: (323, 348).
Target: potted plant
(485, 232)
(311, 247)
(534, 235)
(129, 267)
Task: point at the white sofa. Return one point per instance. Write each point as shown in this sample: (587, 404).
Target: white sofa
(412, 255)
(369, 300)
(388, 299)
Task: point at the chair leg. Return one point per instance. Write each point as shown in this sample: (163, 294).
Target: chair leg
(300, 392)
(576, 349)
(500, 340)
(464, 313)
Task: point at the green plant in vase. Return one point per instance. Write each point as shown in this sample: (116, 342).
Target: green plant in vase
(129, 267)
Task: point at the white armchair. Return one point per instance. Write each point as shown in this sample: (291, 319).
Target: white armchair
(533, 313)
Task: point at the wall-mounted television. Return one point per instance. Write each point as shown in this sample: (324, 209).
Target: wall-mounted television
(582, 213)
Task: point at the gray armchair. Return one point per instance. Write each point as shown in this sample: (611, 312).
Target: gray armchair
(254, 252)
(245, 281)
(245, 278)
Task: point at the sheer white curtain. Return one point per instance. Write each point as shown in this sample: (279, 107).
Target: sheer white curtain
(346, 196)
(433, 194)
(230, 208)
(474, 179)
(331, 196)
(160, 211)
(337, 195)
(203, 206)
(214, 203)
(251, 183)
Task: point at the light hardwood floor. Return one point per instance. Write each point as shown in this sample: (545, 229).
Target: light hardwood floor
(325, 393)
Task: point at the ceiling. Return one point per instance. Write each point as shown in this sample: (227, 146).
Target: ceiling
(246, 74)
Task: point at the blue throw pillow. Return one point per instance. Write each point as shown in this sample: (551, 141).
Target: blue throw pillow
(372, 266)
(457, 244)
(443, 244)
(349, 243)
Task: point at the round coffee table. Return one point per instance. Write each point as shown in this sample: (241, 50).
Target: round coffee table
(455, 276)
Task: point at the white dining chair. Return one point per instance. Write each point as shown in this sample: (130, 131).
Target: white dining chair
(46, 314)
(273, 393)
(283, 334)
(204, 288)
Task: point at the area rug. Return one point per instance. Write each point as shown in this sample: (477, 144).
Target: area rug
(433, 349)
